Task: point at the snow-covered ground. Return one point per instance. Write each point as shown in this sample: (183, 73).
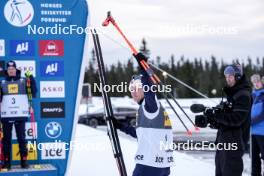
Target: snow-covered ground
(98, 160)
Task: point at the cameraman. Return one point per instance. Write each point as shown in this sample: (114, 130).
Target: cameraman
(233, 122)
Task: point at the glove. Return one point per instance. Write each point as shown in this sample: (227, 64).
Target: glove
(139, 56)
(28, 74)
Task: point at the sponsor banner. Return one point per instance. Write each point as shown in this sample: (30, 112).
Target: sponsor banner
(52, 151)
(28, 131)
(52, 109)
(51, 68)
(51, 48)
(33, 34)
(2, 48)
(52, 89)
(26, 65)
(32, 152)
(22, 48)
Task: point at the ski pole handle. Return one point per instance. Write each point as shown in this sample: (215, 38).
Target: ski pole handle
(110, 19)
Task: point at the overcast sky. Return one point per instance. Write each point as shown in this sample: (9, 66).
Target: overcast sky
(200, 28)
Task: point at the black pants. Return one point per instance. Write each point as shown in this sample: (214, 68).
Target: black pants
(228, 163)
(257, 153)
(143, 170)
(7, 138)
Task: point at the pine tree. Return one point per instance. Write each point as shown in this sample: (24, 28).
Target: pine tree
(143, 49)
(201, 74)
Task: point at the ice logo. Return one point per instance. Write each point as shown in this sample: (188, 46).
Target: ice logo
(53, 129)
(18, 13)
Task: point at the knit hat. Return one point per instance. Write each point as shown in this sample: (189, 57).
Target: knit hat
(235, 70)
(255, 78)
(135, 83)
(11, 64)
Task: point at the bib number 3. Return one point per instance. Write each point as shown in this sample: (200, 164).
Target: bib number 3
(13, 100)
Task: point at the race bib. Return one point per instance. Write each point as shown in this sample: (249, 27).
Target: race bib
(14, 106)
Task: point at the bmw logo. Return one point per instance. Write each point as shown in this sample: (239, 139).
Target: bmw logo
(53, 129)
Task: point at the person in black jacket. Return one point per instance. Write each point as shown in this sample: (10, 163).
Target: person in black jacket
(233, 123)
(15, 110)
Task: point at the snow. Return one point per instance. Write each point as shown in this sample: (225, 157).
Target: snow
(99, 161)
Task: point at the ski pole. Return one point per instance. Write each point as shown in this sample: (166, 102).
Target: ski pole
(109, 19)
(31, 110)
(32, 118)
(179, 81)
(112, 133)
(146, 67)
(143, 63)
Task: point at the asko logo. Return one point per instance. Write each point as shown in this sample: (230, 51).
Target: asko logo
(52, 109)
(22, 48)
(52, 89)
(26, 65)
(51, 48)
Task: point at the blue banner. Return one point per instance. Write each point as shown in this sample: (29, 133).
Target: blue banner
(47, 38)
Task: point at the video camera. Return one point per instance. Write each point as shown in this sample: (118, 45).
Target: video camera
(206, 118)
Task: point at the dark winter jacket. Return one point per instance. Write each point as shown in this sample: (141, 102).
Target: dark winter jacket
(235, 122)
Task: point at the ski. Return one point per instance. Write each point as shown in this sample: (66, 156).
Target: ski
(112, 132)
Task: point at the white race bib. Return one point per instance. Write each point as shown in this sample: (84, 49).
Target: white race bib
(14, 106)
